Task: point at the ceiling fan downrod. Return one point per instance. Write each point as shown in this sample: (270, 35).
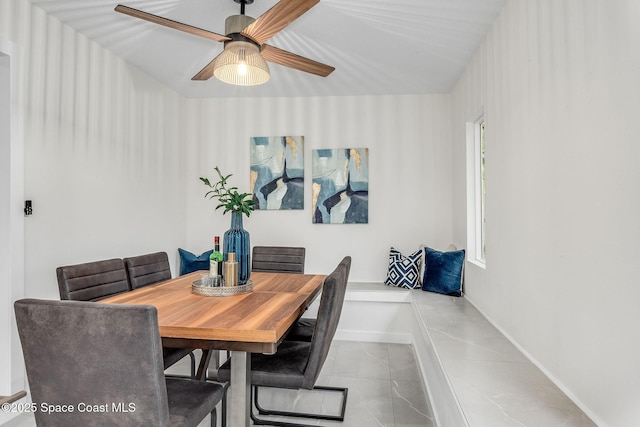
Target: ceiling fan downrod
(242, 4)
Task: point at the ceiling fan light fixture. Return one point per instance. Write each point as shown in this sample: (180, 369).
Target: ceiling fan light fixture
(241, 64)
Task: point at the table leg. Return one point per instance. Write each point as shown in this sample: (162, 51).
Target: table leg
(238, 395)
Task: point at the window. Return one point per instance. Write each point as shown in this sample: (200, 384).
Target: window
(476, 191)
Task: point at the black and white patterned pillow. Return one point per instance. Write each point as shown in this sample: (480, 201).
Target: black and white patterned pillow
(404, 271)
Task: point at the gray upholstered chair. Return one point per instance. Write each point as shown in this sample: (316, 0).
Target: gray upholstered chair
(283, 259)
(107, 358)
(149, 269)
(297, 364)
(144, 270)
(92, 281)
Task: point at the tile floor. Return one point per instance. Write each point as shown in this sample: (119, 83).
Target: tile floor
(383, 381)
(384, 387)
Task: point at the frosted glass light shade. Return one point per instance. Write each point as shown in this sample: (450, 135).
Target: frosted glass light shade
(241, 64)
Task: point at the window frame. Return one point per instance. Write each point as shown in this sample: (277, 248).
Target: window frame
(476, 190)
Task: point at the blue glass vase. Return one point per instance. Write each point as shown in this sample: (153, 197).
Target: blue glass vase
(236, 239)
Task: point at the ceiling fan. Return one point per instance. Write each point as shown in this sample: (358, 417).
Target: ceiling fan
(242, 62)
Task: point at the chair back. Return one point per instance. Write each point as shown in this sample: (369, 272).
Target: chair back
(92, 281)
(145, 270)
(88, 356)
(281, 259)
(331, 301)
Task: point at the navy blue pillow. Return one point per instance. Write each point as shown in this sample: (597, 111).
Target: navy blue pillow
(403, 271)
(443, 271)
(191, 262)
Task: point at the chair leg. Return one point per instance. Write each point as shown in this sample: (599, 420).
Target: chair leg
(224, 405)
(214, 418)
(260, 422)
(263, 422)
(263, 411)
(193, 364)
(223, 402)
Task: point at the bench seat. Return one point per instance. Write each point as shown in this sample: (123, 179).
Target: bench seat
(473, 374)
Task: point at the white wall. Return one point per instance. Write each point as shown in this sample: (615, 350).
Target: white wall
(103, 164)
(11, 220)
(559, 81)
(5, 223)
(410, 173)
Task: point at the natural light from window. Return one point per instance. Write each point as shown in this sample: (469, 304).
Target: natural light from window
(476, 191)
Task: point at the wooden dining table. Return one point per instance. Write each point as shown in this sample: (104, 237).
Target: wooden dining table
(252, 322)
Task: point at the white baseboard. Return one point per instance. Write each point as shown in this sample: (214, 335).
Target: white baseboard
(367, 336)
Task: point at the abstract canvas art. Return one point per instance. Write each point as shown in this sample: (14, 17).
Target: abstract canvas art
(340, 192)
(277, 172)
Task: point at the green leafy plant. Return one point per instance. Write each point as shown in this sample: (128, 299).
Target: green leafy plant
(228, 197)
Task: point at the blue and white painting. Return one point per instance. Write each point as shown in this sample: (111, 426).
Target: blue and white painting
(277, 172)
(340, 192)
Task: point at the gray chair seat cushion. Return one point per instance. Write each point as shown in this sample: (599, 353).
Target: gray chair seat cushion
(190, 401)
(284, 369)
(302, 330)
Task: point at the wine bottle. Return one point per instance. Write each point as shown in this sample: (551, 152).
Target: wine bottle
(215, 259)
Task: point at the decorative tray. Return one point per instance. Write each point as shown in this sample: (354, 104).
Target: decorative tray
(219, 291)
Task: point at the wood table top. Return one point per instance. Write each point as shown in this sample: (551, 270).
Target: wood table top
(254, 322)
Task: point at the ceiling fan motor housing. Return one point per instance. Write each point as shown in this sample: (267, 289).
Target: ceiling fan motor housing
(236, 23)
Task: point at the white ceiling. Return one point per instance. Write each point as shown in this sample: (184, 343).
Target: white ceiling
(377, 46)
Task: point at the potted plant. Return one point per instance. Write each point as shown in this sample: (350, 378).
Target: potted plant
(236, 239)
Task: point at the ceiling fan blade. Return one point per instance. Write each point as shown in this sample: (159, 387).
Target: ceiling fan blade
(170, 23)
(207, 72)
(276, 18)
(291, 60)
